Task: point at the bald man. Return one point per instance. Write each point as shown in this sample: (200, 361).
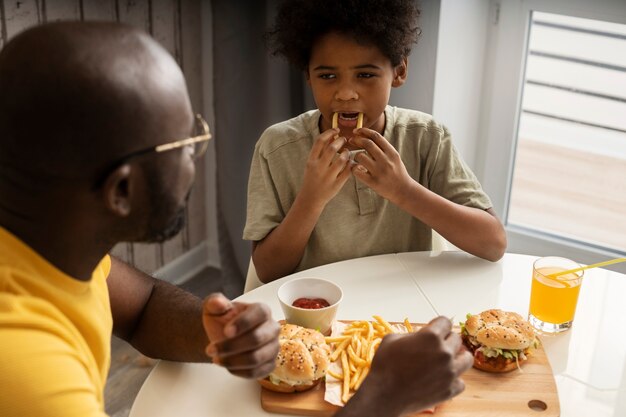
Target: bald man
(85, 109)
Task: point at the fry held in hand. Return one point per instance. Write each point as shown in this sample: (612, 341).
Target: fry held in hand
(355, 350)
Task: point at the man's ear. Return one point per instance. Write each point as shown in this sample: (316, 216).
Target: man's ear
(117, 191)
(401, 71)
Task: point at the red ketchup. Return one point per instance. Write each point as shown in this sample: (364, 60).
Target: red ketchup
(310, 303)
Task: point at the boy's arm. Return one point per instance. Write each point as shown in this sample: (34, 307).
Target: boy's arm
(280, 252)
(473, 230)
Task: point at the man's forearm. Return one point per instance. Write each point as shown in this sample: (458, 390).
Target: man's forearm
(170, 326)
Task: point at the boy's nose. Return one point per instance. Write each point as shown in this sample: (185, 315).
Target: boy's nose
(346, 92)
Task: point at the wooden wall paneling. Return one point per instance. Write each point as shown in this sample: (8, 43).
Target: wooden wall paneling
(165, 29)
(3, 27)
(20, 15)
(122, 251)
(191, 62)
(164, 16)
(135, 12)
(164, 25)
(99, 9)
(55, 10)
(146, 256)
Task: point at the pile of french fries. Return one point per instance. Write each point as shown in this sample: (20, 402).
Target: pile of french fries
(355, 348)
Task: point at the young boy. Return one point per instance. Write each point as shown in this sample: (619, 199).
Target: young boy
(312, 201)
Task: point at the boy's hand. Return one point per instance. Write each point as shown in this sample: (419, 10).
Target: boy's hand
(326, 170)
(381, 167)
(243, 337)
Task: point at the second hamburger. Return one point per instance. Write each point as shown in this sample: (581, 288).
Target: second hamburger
(499, 340)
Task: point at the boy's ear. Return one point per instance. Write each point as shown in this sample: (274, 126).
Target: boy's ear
(117, 191)
(401, 71)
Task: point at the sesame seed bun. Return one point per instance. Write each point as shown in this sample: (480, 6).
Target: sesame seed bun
(500, 329)
(497, 329)
(302, 360)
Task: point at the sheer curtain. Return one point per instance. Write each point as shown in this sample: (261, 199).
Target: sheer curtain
(252, 91)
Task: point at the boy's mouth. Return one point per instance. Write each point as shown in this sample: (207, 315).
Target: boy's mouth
(348, 116)
(347, 120)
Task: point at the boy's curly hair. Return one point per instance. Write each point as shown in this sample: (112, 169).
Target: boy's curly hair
(390, 25)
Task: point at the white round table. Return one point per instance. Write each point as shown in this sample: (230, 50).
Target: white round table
(589, 361)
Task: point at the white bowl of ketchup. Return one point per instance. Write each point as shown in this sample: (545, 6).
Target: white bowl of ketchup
(310, 302)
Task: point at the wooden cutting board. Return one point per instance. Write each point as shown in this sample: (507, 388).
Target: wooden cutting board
(531, 392)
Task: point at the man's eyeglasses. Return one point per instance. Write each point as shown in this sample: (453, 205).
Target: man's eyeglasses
(200, 142)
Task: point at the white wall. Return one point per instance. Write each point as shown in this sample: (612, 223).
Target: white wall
(446, 69)
(209, 111)
(417, 92)
(461, 48)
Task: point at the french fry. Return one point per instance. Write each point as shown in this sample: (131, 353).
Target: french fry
(339, 349)
(373, 347)
(335, 119)
(359, 122)
(346, 377)
(336, 339)
(334, 375)
(355, 377)
(408, 326)
(384, 323)
(355, 358)
(361, 378)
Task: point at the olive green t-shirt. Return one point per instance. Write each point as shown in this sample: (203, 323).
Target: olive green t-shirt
(356, 222)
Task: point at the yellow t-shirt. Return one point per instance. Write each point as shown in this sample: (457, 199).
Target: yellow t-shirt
(55, 334)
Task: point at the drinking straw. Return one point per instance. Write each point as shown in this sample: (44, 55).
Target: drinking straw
(582, 268)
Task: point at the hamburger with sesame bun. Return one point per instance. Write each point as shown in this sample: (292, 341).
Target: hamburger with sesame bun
(500, 340)
(302, 360)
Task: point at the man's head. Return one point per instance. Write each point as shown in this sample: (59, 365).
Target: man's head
(77, 99)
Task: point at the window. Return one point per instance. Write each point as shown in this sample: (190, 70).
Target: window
(569, 177)
(554, 126)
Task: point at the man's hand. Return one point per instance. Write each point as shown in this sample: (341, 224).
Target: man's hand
(380, 168)
(326, 170)
(243, 338)
(413, 372)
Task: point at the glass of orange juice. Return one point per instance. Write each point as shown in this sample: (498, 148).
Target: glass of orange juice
(553, 299)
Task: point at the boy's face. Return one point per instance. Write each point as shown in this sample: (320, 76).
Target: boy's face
(350, 78)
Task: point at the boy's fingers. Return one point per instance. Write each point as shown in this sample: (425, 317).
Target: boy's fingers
(372, 141)
(322, 140)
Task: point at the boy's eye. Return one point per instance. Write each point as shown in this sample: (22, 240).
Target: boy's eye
(327, 76)
(366, 75)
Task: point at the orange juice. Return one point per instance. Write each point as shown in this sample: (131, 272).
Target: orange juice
(553, 300)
